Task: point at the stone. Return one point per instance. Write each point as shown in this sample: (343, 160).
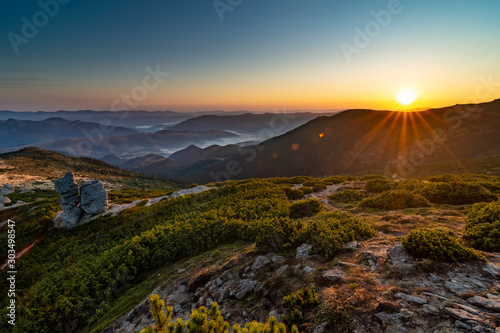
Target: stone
(260, 262)
(8, 187)
(23, 191)
(219, 282)
(5, 191)
(411, 298)
(275, 314)
(246, 286)
(401, 263)
(4, 200)
(334, 275)
(387, 319)
(347, 264)
(94, 199)
(208, 303)
(456, 288)
(303, 251)
(276, 258)
(492, 269)
(491, 303)
(321, 328)
(464, 315)
(430, 309)
(308, 269)
(281, 269)
(351, 247)
(68, 190)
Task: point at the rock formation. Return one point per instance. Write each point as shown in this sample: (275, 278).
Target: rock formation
(75, 210)
(94, 199)
(6, 189)
(68, 190)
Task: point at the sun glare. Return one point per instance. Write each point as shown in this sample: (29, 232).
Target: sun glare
(406, 96)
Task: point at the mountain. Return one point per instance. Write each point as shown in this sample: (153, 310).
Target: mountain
(14, 132)
(116, 118)
(183, 164)
(367, 141)
(194, 154)
(248, 123)
(40, 167)
(162, 142)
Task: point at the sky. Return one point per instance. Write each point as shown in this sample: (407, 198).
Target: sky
(256, 55)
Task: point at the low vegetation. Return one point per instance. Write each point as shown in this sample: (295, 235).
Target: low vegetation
(379, 185)
(204, 321)
(347, 196)
(305, 208)
(395, 199)
(482, 226)
(128, 196)
(297, 305)
(438, 246)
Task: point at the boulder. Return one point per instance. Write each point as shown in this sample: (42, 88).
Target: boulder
(68, 190)
(260, 262)
(430, 310)
(246, 286)
(8, 187)
(401, 263)
(351, 247)
(334, 275)
(492, 302)
(5, 191)
(308, 269)
(411, 298)
(303, 251)
(4, 200)
(94, 199)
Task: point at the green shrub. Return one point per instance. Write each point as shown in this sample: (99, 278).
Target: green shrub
(438, 246)
(305, 208)
(275, 234)
(451, 193)
(379, 185)
(328, 233)
(482, 226)
(296, 304)
(306, 190)
(204, 321)
(319, 187)
(338, 179)
(369, 177)
(347, 196)
(128, 196)
(294, 193)
(395, 199)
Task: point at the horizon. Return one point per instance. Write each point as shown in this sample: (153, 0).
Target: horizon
(251, 56)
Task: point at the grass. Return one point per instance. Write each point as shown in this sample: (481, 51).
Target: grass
(162, 277)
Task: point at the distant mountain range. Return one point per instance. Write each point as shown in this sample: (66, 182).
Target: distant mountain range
(248, 123)
(15, 132)
(183, 164)
(163, 142)
(366, 141)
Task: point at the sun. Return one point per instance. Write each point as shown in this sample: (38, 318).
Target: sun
(406, 96)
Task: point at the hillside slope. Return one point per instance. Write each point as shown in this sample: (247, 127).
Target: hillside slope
(15, 132)
(361, 141)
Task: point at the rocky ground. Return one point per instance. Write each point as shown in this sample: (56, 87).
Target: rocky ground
(390, 291)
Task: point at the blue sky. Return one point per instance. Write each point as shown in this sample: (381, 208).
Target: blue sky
(263, 55)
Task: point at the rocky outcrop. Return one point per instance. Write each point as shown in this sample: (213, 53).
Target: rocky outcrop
(68, 190)
(94, 199)
(6, 189)
(76, 210)
(303, 251)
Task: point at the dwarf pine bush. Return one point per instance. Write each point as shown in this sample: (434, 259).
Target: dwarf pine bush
(482, 226)
(205, 321)
(395, 199)
(379, 185)
(305, 208)
(347, 196)
(438, 246)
